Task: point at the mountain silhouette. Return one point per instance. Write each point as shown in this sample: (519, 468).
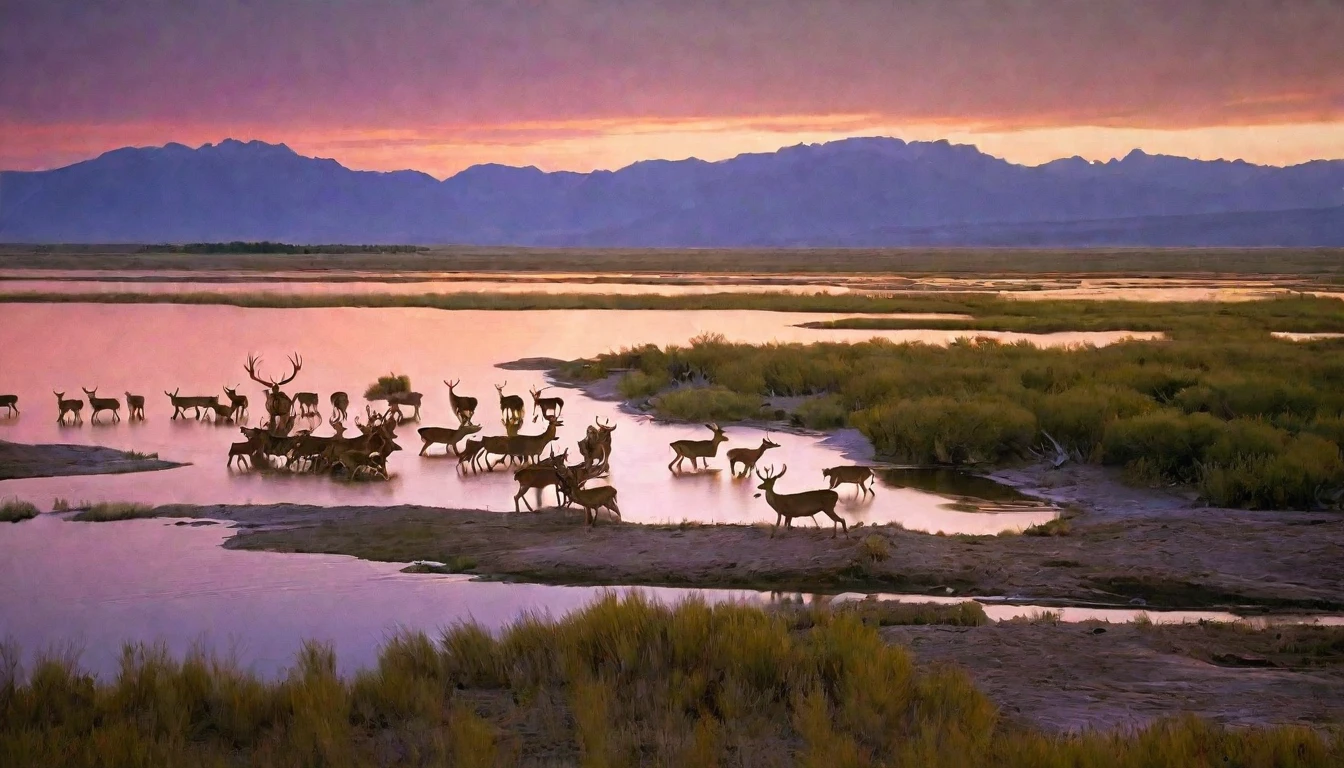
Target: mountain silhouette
(854, 192)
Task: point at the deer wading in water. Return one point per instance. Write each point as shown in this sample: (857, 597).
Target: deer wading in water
(697, 449)
(279, 406)
(787, 506)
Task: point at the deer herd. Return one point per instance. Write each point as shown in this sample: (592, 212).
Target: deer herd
(276, 444)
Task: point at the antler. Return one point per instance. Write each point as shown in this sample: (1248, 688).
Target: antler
(252, 362)
(453, 383)
(769, 473)
(297, 363)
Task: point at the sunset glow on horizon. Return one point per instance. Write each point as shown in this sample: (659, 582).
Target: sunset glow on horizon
(591, 84)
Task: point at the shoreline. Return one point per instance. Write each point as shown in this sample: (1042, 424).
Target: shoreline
(20, 461)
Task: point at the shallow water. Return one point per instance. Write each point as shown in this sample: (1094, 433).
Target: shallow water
(152, 348)
(88, 588)
(359, 288)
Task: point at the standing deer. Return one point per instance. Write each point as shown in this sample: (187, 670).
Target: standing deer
(527, 448)
(539, 476)
(182, 402)
(852, 474)
(787, 506)
(11, 402)
(550, 407)
(397, 399)
(595, 447)
(135, 406)
(697, 449)
(471, 451)
(339, 402)
(510, 406)
(464, 407)
(446, 436)
(97, 404)
(279, 406)
(307, 402)
(591, 499)
(237, 402)
(748, 457)
(73, 407)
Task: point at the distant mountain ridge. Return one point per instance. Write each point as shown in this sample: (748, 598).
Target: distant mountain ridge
(854, 192)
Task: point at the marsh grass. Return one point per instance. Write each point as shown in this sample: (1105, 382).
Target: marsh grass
(622, 682)
(17, 510)
(110, 511)
(1247, 419)
(390, 384)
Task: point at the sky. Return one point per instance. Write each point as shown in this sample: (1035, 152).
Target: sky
(582, 84)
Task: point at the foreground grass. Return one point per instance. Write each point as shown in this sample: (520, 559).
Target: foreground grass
(1248, 419)
(110, 511)
(622, 682)
(976, 262)
(15, 510)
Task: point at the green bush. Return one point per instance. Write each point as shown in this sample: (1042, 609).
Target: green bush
(1291, 478)
(638, 384)
(942, 430)
(387, 385)
(708, 404)
(1078, 418)
(1164, 445)
(824, 412)
(16, 510)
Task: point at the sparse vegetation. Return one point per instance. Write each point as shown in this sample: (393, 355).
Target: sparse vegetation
(110, 511)
(874, 547)
(622, 682)
(60, 505)
(16, 510)
(392, 383)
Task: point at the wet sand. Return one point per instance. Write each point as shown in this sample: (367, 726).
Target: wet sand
(19, 460)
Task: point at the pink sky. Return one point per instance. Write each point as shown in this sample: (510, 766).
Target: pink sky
(584, 84)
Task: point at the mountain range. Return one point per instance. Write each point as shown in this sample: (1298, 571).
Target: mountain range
(854, 192)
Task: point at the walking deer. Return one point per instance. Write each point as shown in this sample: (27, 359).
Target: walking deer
(237, 402)
(697, 449)
(787, 506)
(464, 407)
(339, 402)
(550, 407)
(10, 402)
(412, 399)
(74, 407)
(307, 402)
(591, 499)
(510, 406)
(135, 406)
(748, 457)
(182, 402)
(446, 436)
(542, 475)
(595, 447)
(279, 406)
(857, 475)
(471, 451)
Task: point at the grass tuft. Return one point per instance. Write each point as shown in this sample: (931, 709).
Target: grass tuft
(391, 384)
(109, 511)
(17, 510)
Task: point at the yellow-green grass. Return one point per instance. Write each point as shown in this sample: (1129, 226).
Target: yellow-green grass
(16, 510)
(111, 511)
(623, 682)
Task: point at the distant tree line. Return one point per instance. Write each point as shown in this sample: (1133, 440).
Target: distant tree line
(266, 246)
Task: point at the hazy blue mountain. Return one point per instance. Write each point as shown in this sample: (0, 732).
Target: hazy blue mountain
(867, 192)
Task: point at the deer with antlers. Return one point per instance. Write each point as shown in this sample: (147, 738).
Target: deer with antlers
(595, 447)
(74, 407)
(448, 437)
(748, 457)
(98, 404)
(570, 483)
(279, 406)
(701, 450)
(237, 402)
(339, 402)
(542, 475)
(135, 406)
(463, 406)
(788, 506)
(182, 402)
(550, 407)
(510, 406)
(528, 448)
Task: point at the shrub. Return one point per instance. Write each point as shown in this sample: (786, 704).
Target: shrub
(1164, 445)
(1078, 418)
(390, 384)
(638, 384)
(824, 412)
(1291, 478)
(109, 511)
(874, 548)
(943, 430)
(708, 404)
(16, 510)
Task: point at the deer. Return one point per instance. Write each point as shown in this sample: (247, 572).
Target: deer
(182, 402)
(748, 457)
(307, 402)
(135, 406)
(595, 447)
(279, 406)
(412, 399)
(529, 447)
(73, 407)
(447, 436)
(464, 407)
(311, 448)
(339, 402)
(237, 402)
(246, 450)
(539, 476)
(10, 402)
(697, 449)
(223, 413)
(471, 451)
(98, 404)
(857, 475)
(591, 499)
(510, 406)
(549, 406)
(787, 506)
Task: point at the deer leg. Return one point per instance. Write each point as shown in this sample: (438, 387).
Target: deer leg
(425, 447)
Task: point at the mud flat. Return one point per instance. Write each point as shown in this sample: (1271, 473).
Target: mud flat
(1120, 546)
(20, 460)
